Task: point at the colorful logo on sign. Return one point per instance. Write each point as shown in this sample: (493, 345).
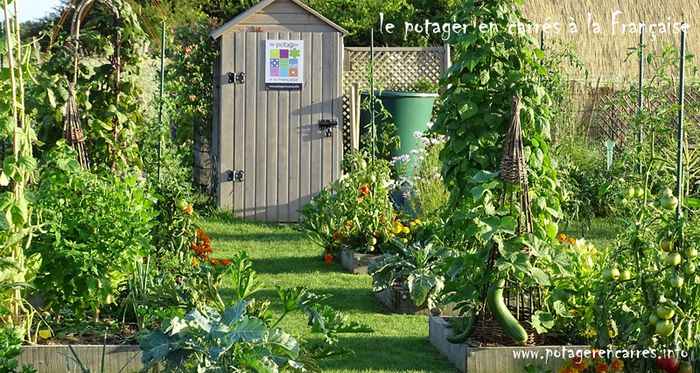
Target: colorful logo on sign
(284, 61)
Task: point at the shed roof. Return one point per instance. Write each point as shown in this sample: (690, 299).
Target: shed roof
(260, 7)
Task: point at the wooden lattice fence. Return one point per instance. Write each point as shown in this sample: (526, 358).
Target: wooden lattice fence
(395, 69)
(616, 109)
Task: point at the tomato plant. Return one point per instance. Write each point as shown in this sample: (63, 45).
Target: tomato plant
(355, 211)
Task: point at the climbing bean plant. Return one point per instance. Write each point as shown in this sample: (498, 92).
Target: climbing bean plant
(108, 93)
(17, 168)
(492, 66)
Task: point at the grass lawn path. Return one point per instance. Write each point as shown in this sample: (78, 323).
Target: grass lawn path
(284, 257)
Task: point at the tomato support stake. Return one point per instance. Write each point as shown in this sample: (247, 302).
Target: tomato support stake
(162, 91)
(640, 93)
(373, 130)
(681, 130)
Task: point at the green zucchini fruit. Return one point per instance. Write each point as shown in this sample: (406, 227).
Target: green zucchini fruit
(468, 331)
(494, 300)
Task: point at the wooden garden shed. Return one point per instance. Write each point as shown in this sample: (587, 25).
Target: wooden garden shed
(277, 132)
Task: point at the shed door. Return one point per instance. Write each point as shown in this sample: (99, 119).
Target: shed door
(275, 136)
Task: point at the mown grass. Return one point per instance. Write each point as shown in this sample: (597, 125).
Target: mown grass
(283, 257)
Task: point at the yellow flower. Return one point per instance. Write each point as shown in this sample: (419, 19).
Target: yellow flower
(412, 224)
(405, 230)
(590, 333)
(405, 240)
(417, 221)
(397, 229)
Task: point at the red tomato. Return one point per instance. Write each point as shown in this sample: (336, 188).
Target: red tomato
(364, 190)
(668, 364)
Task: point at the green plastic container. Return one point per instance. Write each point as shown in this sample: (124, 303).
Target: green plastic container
(410, 112)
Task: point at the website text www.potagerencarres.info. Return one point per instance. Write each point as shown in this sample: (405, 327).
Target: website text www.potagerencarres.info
(616, 23)
(581, 353)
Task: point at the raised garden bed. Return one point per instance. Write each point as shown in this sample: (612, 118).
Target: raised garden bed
(59, 358)
(474, 359)
(398, 300)
(355, 262)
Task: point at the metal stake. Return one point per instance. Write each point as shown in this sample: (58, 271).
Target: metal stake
(681, 134)
(371, 94)
(162, 94)
(640, 94)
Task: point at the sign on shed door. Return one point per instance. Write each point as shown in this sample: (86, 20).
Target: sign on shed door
(286, 140)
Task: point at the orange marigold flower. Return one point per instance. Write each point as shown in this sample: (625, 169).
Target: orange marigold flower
(214, 262)
(617, 365)
(189, 210)
(579, 363)
(349, 223)
(328, 258)
(195, 262)
(377, 234)
(571, 240)
(336, 236)
(601, 368)
(562, 236)
(225, 262)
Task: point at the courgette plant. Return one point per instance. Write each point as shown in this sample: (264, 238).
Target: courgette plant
(243, 336)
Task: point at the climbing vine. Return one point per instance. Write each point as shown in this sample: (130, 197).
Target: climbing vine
(108, 93)
(18, 165)
(490, 69)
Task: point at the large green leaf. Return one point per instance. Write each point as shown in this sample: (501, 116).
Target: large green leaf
(249, 329)
(420, 285)
(154, 347)
(234, 314)
(283, 343)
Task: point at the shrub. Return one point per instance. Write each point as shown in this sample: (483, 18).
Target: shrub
(94, 228)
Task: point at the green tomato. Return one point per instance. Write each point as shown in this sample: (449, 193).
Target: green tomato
(181, 204)
(362, 164)
(689, 268)
(630, 193)
(625, 275)
(665, 313)
(639, 193)
(677, 281)
(666, 245)
(664, 328)
(373, 241)
(611, 274)
(673, 259)
(653, 319)
(690, 253)
(669, 203)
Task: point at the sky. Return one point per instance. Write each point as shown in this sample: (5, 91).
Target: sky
(34, 9)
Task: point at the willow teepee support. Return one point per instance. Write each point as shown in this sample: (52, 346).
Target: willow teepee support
(514, 171)
(72, 129)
